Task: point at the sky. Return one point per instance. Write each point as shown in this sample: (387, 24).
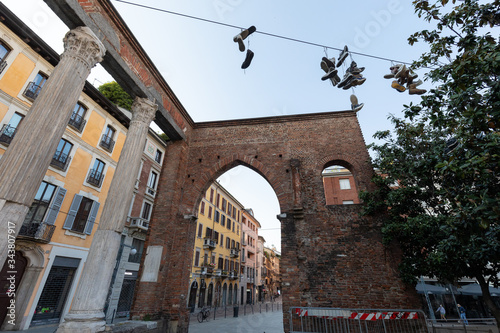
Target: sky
(202, 64)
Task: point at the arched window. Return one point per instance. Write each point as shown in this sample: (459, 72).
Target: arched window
(224, 295)
(230, 295)
(192, 295)
(339, 186)
(210, 294)
(201, 297)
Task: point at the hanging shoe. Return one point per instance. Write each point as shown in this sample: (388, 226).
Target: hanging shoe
(248, 59)
(413, 90)
(327, 63)
(350, 83)
(354, 69)
(342, 56)
(239, 38)
(358, 79)
(334, 81)
(329, 74)
(355, 105)
(397, 86)
(402, 72)
(347, 76)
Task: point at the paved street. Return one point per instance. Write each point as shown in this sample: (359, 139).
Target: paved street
(266, 322)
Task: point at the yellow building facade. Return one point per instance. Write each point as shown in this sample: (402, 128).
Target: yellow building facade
(216, 266)
(53, 242)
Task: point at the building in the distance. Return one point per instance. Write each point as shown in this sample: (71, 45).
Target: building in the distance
(340, 187)
(215, 273)
(272, 276)
(249, 241)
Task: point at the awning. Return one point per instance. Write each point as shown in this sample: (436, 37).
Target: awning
(423, 288)
(474, 289)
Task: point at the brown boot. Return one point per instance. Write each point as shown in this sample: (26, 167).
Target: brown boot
(413, 90)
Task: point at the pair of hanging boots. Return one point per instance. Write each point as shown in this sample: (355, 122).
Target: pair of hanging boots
(404, 75)
(239, 38)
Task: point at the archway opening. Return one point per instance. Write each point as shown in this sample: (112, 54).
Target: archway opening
(236, 226)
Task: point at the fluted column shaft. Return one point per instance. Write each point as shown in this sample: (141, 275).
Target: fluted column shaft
(86, 314)
(27, 159)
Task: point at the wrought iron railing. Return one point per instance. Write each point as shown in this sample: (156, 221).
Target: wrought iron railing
(95, 178)
(32, 90)
(77, 122)
(37, 230)
(7, 134)
(107, 143)
(3, 64)
(60, 161)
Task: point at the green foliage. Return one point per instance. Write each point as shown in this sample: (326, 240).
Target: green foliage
(445, 209)
(116, 94)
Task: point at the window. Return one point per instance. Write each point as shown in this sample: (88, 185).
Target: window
(197, 257)
(202, 208)
(234, 212)
(217, 201)
(344, 184)
(158, 156)
(9, 130)
(208, 233)
(221, 240)
(41, 203)
(212, 195)
(107, 140)
(210, 212)
(223, 205)
(220, 263)
(217, 216)
(4, 51)
(348, 202)
(146, 210)
(77, 120)
(96, 174)
(200, 230)
(81, 215)
(61, 158)
(229, 208)
(228, 243)
(34, 87)
(153, 177)
(228, 224)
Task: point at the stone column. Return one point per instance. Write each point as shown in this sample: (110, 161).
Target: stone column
(28, 157)
(86, 314)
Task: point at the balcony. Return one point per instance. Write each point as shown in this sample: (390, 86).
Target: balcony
(3, 64)
(60, 161)
(77, 122)
(208, 243)
(37, 231)
(107, 143)
(95, 178)
(32, 91)
(7, 134)
(235, 253)
(207, 270)
(233, 275)
(138, 223)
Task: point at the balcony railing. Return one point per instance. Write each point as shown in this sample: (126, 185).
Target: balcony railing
(60, 161)
(95, 178)
(77, 122)
(208, 243)
(138, 222)
(7, 134)
(107, 143)
(38, 231)
(235, 253)
(32, 91)
(3, 64)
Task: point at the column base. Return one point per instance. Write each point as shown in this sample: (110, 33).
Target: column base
(83, 323)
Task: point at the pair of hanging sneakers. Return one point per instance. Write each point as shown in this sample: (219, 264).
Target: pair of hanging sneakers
(404, 75)
(239, 38)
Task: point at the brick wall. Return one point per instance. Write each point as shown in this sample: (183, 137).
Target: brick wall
(330, 255)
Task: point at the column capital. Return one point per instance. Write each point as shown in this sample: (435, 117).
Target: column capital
(143, 110)
(81, 43)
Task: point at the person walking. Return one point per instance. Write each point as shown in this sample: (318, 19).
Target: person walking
(461, 310)
(442, 311)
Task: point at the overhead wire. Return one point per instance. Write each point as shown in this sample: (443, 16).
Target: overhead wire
(258, 31)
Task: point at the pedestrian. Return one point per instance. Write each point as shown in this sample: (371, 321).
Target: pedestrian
(442, 311)
(461, 310)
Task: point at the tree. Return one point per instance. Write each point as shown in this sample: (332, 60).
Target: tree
(115, 93)
(439, 181)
